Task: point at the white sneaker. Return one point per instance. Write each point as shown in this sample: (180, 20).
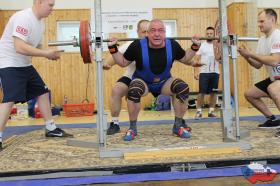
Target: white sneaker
(198, 115)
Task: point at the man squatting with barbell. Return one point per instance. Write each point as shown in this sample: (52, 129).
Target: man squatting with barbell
(154, 56)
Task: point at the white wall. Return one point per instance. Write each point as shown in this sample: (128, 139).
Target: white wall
(109, 5)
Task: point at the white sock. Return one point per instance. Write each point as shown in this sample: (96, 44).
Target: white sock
(199, 110)
(1, 134)
(211, 109)
(50, 125)
(115, 120)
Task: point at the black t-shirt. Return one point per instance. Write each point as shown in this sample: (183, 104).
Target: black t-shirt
(157, 57)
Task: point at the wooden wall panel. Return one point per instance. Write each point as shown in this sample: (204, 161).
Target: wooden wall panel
(69, 76)
(1, 21)
(4, 17)
(237, 14)
(189, 22)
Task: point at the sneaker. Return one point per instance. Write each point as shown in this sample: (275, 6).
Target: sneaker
(270, 124)
(181, 132)
(113, 129)
(211, 115)
(185, 126)
(130, 135)
(58, 132)
(277, 134)
(198, 115)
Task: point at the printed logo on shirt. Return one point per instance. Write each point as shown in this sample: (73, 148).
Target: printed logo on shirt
(22, 30)
(276, 46)
(277, 69)
(277, 72)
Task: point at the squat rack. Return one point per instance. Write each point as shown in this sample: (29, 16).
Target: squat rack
(226, 111)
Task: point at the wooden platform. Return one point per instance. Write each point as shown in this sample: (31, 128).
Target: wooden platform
(32, 151)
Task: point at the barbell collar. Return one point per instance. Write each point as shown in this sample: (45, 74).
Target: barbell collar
(247, 38)
(73, 42)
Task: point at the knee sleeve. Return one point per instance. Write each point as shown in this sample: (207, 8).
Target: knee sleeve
(181, 89)
(135, 91)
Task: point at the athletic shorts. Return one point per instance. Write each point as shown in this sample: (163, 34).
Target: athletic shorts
(208, 82)
(155, 88)
(21, 84)
(262, 85)
(125, 80)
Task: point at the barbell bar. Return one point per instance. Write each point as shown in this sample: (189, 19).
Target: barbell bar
(85, 41)
(74, 42)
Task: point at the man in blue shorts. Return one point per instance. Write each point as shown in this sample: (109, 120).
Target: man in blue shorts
(19, 81)
(154, 56)
(208, 75)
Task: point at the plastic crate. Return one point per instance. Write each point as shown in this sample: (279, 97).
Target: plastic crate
(14, 110)
(37, 112)
(82, 109)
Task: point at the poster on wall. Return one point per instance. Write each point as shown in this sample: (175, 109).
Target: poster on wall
(124, 21)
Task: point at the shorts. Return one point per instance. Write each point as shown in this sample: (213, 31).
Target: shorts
(155, 88)
(125, 80)
(21, 84)
(262, 85)
(208, 82)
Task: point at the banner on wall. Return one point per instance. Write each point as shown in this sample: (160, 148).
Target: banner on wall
(123, 21)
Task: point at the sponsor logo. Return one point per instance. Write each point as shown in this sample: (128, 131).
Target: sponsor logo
(257, 172)
(276, 46)
(277, 68)
(59, 134)
(156, 80)
(22, 30)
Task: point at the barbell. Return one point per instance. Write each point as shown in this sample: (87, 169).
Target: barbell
(85, 41)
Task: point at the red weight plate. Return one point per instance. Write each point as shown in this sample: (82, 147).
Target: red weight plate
(85, 41)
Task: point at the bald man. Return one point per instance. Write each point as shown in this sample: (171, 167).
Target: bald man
(154, 56)
(20, 81)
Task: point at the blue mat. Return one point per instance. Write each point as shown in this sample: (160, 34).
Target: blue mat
(159, 176)
(17, 130)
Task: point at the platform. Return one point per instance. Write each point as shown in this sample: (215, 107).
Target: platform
(32, 152)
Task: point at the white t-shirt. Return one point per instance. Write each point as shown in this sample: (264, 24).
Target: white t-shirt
(132, 66)
(26, 26)
(268, 46)
(206, 52)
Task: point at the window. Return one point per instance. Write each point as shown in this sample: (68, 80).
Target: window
(66, 30)
(171, 28)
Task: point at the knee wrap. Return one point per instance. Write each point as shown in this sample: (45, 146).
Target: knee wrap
(135, 91)
(181, 89)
